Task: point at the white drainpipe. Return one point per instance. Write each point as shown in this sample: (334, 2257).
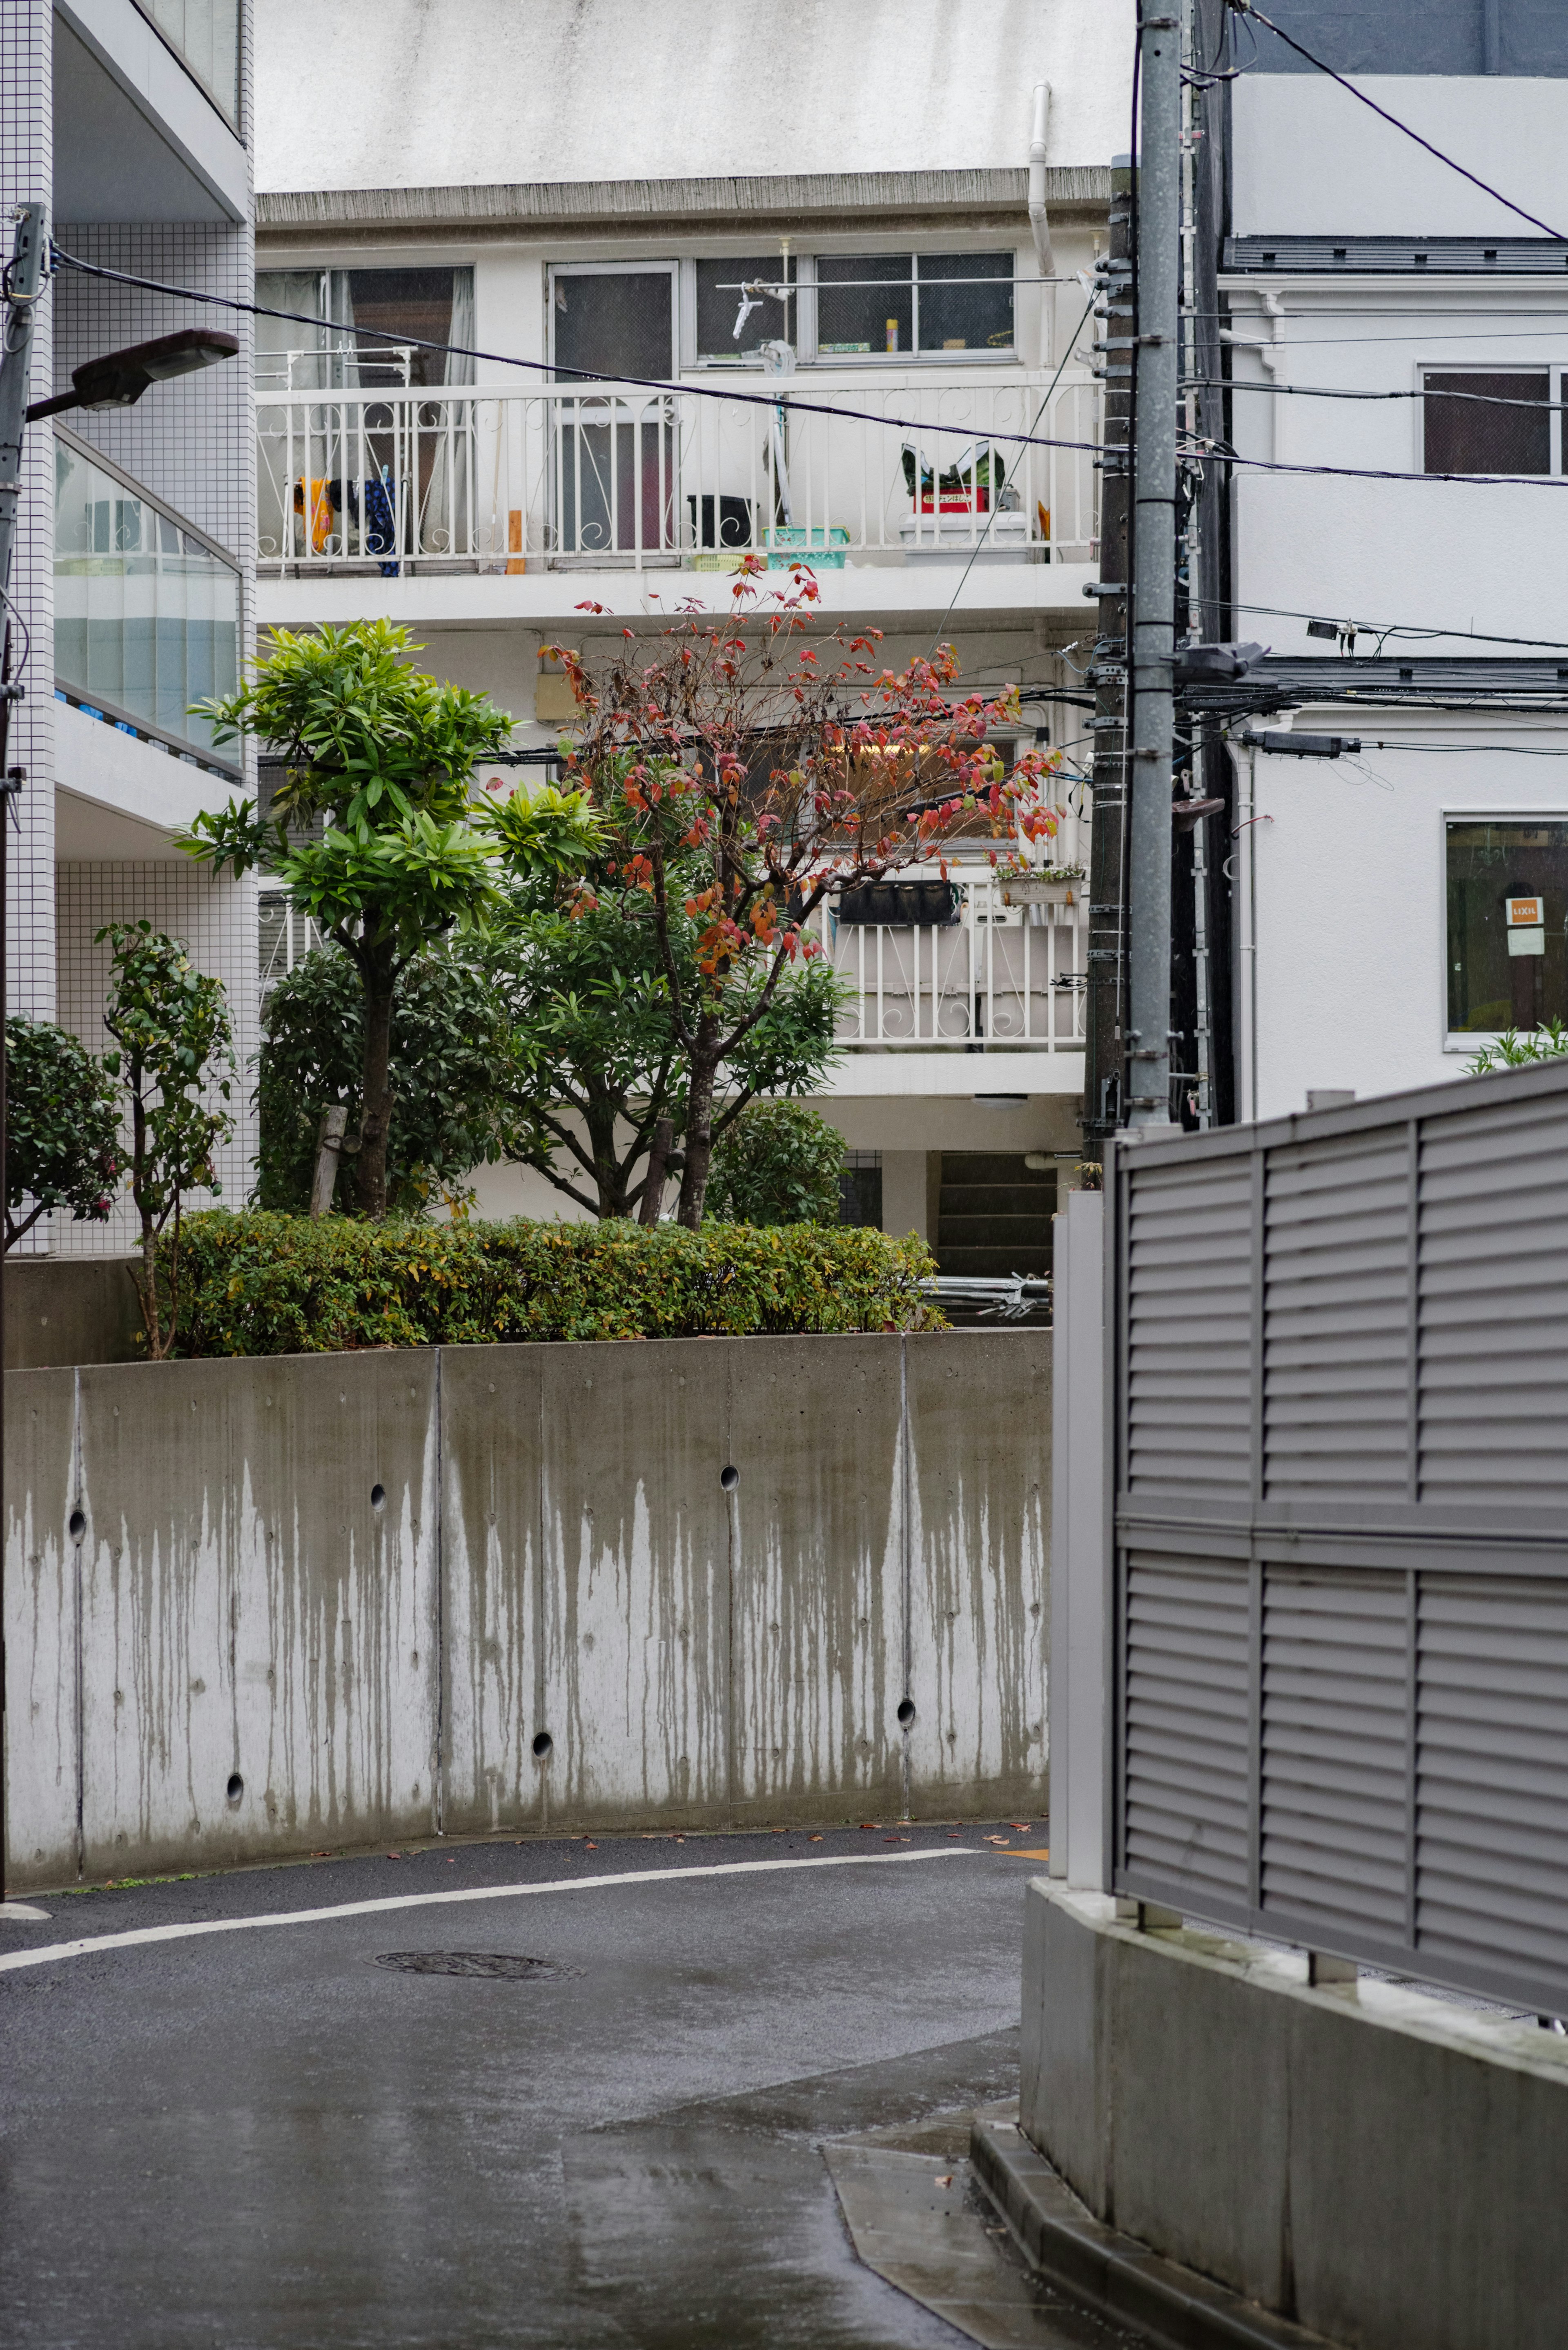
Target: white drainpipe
(1040, 226)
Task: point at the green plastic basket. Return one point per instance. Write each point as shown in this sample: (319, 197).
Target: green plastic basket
(822, 548)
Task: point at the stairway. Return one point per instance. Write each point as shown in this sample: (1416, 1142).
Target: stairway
(994, 1214)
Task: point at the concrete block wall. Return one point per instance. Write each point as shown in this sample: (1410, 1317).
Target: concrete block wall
(1380, 2165)
(259, 1608)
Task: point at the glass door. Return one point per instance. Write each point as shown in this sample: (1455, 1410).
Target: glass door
(614, 455)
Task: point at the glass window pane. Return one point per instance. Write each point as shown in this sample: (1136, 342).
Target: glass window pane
(719, 302)
(1491, 987)
(1469, 434)
(147, 620)
(206, 34)
(615, 323)
(966, 301)
(864, 301)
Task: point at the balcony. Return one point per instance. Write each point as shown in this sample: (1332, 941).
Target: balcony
(985, 977)
(467, 478)
(147, 607)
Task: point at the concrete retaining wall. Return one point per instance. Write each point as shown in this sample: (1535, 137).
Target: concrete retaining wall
(259, 1607)
(1380, 2165)
(71, 1309)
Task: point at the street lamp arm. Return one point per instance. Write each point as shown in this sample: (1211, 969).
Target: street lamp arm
(120, 378)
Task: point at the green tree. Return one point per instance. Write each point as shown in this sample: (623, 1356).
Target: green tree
(778, 1163)
(62, 1127)
(451, 1054)
(598, 1056)
(396, 851)
(170, 1023)
(778, 760)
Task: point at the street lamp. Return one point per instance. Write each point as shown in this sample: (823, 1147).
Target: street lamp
(117, 380)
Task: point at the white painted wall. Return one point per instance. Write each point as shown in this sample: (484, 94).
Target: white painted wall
(414, 93)
(1309, 160)
(1352, 896)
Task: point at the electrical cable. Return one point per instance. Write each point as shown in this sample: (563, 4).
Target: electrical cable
(1376, 473)
(768, 401)
(1325, 392)
(1246, 8)
(1389, 627)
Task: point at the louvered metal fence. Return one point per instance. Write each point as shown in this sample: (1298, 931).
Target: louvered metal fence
(1340, 1392)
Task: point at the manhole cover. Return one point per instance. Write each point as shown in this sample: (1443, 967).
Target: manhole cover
(497, 1966)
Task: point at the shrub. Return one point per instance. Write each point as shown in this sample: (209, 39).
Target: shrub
(450, 1059)
(62, 1113)
(779, 1163)
(260, 1284)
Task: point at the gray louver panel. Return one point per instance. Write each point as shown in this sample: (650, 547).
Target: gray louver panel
(1189, 1332)
(1342, 1694)
(1334, 1737)
(1336, 1317)
(1494, 1306)
(1492, 1771)
(1186, 1717)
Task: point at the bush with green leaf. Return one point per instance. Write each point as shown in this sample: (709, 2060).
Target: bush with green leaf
(170, 1023)
(259, 1284)
(1513, 1051)
(778, 1163)
(453, 1085)
(62, 1129)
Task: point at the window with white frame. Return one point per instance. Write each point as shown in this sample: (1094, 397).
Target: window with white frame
(1490, 421)
(841, 309)
(1508, 924)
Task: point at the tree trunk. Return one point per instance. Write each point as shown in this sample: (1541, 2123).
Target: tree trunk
(610, 1176)
(375, 1096)
(658, 1152)
(698, 1143)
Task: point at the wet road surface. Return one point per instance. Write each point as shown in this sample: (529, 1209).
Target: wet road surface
(268, 2138)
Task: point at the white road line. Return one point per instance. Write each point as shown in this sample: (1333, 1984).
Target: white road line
(90, 1942)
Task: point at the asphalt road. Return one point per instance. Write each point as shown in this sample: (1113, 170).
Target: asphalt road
(262, 2137)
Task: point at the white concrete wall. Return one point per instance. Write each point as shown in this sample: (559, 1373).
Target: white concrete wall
(410, 93)
(1352, 896)
(1309, 159)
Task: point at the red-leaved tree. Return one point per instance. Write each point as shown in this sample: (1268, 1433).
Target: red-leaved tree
(745, 768)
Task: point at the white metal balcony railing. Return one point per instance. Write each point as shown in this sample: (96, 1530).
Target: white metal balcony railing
(500, 480)
(994, 979)
(997, 978)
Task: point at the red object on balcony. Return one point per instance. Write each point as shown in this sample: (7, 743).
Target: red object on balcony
(977, 501)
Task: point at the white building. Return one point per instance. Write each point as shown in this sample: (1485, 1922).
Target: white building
(1372, 890)
(134, 566)
(589, 186)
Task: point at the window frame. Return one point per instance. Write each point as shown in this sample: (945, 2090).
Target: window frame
(1554, 370)
(1469, 1041)
(807, 353)
(671, 269)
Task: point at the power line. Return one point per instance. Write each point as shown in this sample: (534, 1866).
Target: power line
(1245, 8)
(1228, 456)
(1324, 392)
(1392, 628)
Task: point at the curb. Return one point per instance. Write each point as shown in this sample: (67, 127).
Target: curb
(1116, 2274)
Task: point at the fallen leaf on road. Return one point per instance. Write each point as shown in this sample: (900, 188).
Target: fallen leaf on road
(394, 1856)
(897, 1839)
(815, 1840)
(870, 1823)
(1021, 1825)
(590, 1847)
(946, 2180)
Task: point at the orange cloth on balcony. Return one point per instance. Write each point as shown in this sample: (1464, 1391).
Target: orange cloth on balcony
(323, 522)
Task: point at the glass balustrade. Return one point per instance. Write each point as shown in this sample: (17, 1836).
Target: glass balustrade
(147, 613)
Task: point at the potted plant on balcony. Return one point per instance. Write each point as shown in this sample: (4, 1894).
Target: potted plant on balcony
(1038, 885)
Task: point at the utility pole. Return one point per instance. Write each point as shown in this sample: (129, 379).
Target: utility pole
(1105, 1005)
(1156, 356)
(24, 284)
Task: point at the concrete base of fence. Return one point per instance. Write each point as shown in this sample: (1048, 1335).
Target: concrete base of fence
(66, 1310)
(1383, 2167)
(256, 1608)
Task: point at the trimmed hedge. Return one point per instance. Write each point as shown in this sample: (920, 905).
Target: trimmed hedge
(263, 1284)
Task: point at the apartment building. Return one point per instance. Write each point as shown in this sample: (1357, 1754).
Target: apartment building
(134, 570)
(1397, 906)
(831, 208)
